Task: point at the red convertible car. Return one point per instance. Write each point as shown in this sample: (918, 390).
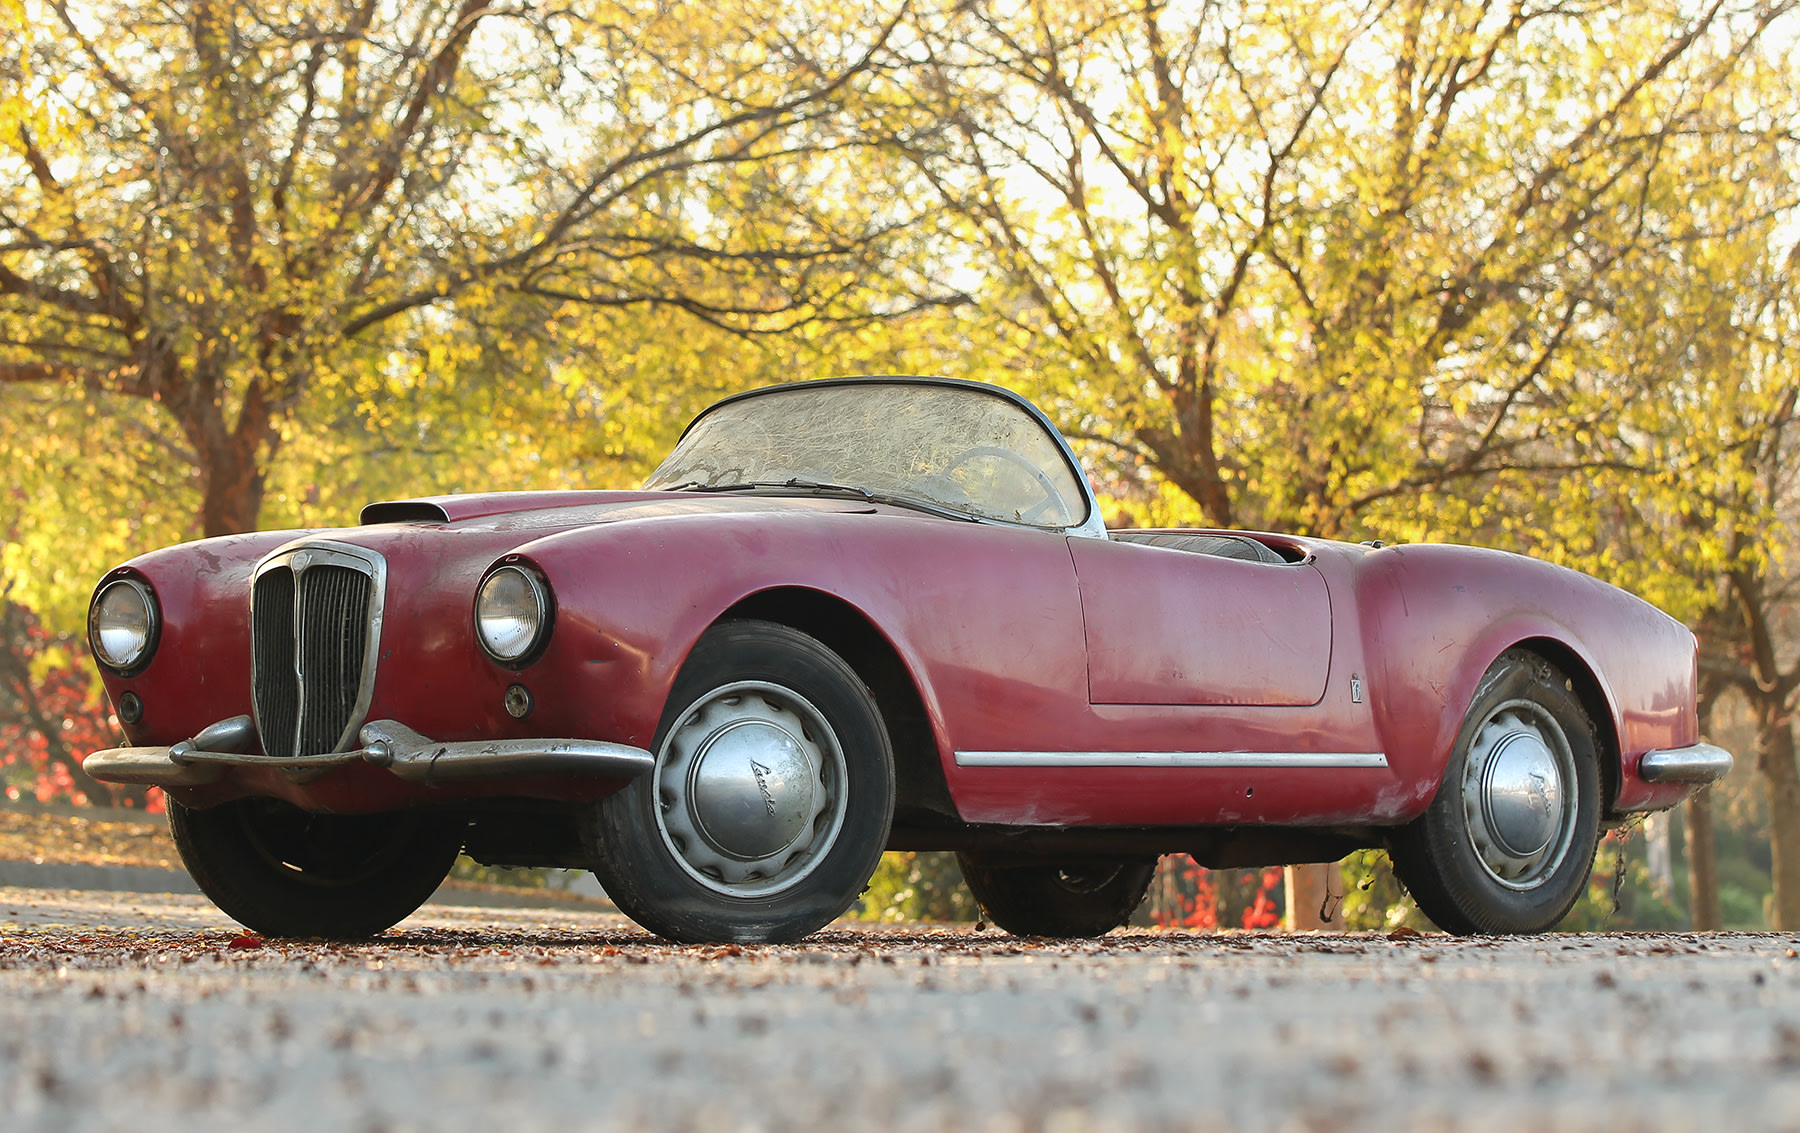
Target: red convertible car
(852, 615)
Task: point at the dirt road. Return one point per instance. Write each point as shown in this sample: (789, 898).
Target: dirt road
(152, 1013)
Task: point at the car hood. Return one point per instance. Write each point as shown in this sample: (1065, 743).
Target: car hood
(480, 505)
(532, 514)
(442, 545)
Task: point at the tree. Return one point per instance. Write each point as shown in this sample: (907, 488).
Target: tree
(1307, 262)
(50, 715)
(1426, 269)
(1748, 636)
(1695, 507)
(217, 212)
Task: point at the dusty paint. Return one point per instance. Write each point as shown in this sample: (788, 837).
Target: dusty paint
(987, 619)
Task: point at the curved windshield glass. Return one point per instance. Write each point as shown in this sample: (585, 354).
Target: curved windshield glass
(949, 447)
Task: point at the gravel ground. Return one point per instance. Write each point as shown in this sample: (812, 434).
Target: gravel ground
(147, 1013)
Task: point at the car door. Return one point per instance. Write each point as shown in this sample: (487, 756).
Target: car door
(1174, 627)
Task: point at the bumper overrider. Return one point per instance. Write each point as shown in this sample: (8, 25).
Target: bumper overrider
(1696, 763)
(387, 744)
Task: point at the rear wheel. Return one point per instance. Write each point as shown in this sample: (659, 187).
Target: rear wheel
(1080, 898)
(1507, 845)
(283, 871)
(770, 801)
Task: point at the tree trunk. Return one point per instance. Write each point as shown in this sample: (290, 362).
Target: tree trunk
(1702, 862)
(232, 458)
(1194, 472)
(1775, 759)
(1315, 898)
(231, 498)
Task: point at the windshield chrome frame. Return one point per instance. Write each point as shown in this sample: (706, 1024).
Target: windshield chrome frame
(1093, 526)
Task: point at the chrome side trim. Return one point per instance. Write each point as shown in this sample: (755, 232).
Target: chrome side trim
(1171, 759)
(1699, 763)
(387, 744)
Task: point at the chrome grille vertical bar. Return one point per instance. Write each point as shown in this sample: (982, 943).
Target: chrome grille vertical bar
(275, 689)
(334, 624)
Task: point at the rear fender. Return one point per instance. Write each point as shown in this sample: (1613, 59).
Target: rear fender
(1438, 618)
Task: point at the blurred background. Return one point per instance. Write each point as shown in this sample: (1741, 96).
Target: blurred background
(1511, 272)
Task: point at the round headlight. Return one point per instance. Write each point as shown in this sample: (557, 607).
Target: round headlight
(512, 614)
(122, 625)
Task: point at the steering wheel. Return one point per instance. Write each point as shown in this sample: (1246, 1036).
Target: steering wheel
(1008, 456)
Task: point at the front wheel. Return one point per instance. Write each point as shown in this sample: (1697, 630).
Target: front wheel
(282, 871)
(1082, 898)
(1508, 843)
(770, 800)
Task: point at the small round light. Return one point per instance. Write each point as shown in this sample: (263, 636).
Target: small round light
(518, 701)
(512, 614)
(122, 625)
(131, 708)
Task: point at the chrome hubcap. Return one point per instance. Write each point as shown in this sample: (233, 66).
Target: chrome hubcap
(750, 789)
(1517, 786)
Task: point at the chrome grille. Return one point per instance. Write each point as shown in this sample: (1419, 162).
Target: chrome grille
(273, 680)
(315, 619)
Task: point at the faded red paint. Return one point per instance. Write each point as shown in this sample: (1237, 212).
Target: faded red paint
(1172, 627)
(989, 622)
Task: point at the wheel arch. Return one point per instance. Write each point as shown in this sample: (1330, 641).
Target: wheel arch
(1585, 684)
(920, 789)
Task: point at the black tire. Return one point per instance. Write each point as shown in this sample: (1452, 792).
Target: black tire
(1082, 898)
(1525, 726)
(282, 871)
(770, 802)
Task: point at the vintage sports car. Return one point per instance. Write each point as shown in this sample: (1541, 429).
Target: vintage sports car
(851, 615)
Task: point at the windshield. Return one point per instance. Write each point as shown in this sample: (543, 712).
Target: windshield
(952, 447)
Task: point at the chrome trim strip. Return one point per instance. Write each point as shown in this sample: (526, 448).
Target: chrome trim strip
(1698, 763)
(393, 745)
(195, 757)
(327, 552)
(387, 744)
(1171, 759)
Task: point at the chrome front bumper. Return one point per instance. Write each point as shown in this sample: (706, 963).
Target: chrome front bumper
(1700, 763)
(386, 743)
